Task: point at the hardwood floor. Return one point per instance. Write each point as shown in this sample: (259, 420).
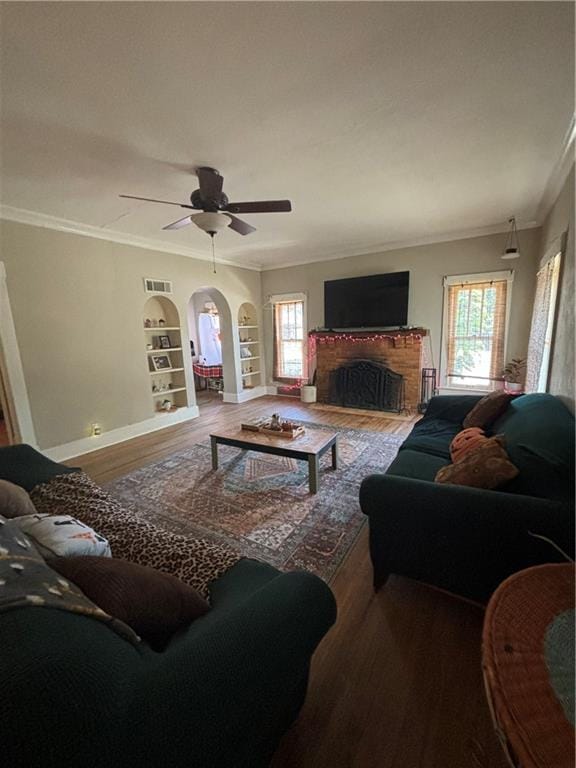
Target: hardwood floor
(397, 682)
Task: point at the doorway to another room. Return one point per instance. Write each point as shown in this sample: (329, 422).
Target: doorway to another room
(209, 323)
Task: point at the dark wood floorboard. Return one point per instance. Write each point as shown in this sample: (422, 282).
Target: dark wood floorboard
(397, 682)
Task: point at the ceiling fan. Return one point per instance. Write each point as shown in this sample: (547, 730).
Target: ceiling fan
(216, 210)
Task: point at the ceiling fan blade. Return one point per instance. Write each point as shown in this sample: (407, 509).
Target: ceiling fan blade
(151, 200)
(210, 183)
(242, 227)
(264, 206)
(180, 223)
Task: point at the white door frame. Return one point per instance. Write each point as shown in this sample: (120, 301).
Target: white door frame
(17, 404)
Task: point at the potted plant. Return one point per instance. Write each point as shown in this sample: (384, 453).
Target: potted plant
(513, 374)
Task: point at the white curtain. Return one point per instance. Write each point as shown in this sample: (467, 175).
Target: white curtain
(542, 327)
(209, 337)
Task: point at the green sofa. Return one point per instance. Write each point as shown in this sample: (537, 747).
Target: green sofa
(466, 540)
(77, 695)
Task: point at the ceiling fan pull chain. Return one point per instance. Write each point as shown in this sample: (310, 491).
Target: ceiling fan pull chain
(213, 255)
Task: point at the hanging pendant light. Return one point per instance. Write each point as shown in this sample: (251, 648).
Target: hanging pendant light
(512, 249)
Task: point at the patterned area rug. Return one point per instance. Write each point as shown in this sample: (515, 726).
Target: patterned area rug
(259, 504)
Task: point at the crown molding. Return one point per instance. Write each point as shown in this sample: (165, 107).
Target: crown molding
(559, 172)
(36, 219)
(399, 245)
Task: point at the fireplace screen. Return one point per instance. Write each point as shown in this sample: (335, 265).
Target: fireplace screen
(367, 384)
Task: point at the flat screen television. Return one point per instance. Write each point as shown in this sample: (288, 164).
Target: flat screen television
(377, 301)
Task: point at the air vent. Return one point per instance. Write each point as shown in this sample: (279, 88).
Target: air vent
(157, 286)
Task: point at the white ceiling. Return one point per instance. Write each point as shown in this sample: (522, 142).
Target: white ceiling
(382, 122)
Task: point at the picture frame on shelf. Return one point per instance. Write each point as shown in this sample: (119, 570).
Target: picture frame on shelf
(161, 362)
(164, 342)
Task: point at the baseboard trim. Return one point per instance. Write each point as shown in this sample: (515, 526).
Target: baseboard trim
(245, 395)
(119, 435)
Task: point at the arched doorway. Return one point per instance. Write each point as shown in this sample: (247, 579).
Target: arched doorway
(212, 345)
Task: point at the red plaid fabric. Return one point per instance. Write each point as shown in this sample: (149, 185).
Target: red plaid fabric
(207, 371)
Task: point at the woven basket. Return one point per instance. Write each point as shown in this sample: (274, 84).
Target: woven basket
(530, 718)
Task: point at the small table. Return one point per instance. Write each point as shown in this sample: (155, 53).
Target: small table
(210, 374)
(308, 447)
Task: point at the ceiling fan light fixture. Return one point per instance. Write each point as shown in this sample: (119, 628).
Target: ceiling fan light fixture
(212, 223)
(512, 249)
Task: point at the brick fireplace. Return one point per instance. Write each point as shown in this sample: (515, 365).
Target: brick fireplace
(399, 351)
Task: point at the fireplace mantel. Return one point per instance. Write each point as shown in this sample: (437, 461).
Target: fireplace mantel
(399, 350)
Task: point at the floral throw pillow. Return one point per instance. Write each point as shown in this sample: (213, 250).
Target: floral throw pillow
(488, 466)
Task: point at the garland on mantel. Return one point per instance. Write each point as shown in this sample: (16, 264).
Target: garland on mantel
(350, 338)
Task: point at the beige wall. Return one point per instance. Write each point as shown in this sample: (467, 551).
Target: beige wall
(78, 305)
(427, 264)
(559, 219)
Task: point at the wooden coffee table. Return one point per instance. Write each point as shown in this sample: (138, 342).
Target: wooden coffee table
(308, 447)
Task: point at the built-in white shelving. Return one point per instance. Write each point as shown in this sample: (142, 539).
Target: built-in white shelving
(168, 383)
(249, 336)
(165, 370)
(169, 391)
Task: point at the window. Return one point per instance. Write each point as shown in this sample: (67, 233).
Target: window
(542, 327)
(289, 337)
(475, 319)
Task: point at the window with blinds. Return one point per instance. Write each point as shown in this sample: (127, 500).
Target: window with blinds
(475, 327)
(289, 342)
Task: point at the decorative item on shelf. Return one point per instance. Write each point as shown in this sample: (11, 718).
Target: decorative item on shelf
(164, 342)
(245, 352)
(166, 405)
(244, 320)
(161, 321)
(149, 346)
(161, 362)
(512, 248)
(513, 374)
(147, 323)
(171, 385)
(155, 388)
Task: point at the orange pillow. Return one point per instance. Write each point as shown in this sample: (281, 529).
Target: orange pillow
(486, 467)
(466, 441)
